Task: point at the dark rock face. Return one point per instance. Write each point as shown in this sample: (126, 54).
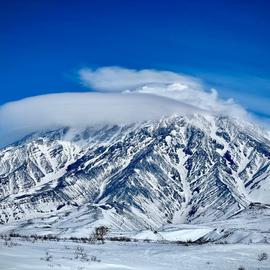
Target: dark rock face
(174, 170)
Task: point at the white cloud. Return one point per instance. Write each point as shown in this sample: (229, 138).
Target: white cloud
(205, 100)
(108, 79)
(135, 96)
(20, 118)
(186, 89)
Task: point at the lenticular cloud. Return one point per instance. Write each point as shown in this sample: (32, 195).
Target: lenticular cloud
(82, 109)
(127, 96)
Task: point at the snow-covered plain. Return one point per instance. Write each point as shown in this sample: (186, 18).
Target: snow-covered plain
(140, 255)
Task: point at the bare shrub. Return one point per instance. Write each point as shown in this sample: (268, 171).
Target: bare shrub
(47, 258)
(80, 254)
(94, 259)
(146, 240)
(120, 239)
(263, 256)
(92, 238)
(8, 242)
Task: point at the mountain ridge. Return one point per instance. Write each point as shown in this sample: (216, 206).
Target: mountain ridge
(181, 169)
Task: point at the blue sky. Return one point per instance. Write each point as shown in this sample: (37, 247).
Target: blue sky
(225, 43)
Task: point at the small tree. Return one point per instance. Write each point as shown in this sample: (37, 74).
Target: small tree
(100, 233)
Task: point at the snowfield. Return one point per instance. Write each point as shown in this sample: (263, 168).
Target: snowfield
(140, 255)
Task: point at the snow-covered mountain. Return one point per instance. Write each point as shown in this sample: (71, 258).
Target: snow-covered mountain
(181, 169)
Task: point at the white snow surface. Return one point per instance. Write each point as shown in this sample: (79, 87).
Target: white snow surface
(175, 233)
(139, 256)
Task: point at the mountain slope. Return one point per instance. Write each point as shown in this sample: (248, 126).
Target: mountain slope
(195, 169)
